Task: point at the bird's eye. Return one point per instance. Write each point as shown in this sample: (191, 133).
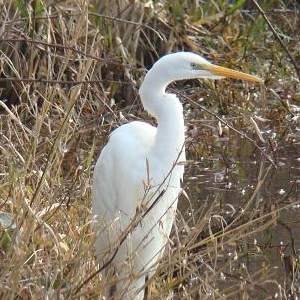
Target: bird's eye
(195, 66)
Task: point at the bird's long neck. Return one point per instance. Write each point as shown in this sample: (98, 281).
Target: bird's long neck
(168, 111)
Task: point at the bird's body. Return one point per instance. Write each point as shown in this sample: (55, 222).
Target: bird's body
(138, 174)
(140, 177)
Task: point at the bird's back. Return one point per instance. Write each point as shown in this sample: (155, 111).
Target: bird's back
(120, 167)
(118, 182)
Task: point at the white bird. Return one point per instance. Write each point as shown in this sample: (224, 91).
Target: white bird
(138, 175)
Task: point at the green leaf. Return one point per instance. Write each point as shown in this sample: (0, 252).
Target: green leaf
(236, 6)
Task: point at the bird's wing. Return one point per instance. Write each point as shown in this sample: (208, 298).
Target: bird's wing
(121, 168)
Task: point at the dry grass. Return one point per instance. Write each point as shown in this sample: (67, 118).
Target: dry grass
(69, 74)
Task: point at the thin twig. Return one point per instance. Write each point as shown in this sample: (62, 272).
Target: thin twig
(135, 222)
(109, 61)
(114, 19)
(293, 61)
(63, 82)
(232, 128)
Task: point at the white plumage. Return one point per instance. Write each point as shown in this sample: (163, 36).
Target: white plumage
(137, 176)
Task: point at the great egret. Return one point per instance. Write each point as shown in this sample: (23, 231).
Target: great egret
(138, 174)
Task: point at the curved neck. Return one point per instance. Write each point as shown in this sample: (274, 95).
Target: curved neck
(168, 111)
(152, 92)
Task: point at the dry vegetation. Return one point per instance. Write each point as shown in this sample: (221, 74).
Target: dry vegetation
(69, 74)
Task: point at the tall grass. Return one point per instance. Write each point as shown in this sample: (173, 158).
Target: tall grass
(69, 74)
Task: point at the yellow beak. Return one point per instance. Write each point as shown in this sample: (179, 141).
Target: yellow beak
(221, 71)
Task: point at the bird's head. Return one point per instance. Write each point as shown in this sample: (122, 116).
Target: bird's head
(187, 65)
